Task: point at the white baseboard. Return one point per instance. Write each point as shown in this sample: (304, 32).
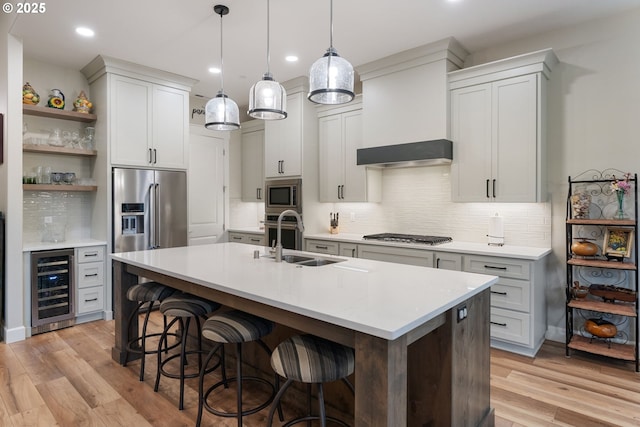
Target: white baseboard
(15, 334)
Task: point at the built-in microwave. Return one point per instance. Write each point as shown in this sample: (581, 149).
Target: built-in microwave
(283, 194)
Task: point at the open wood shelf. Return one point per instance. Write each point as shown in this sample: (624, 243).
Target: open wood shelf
(58, 187)
(601, 221)
(600, 263)
(52, 113)
(620, 308)
(49, 149)
(601, 200)
(617, 351)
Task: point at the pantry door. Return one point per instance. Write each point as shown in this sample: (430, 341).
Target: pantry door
(207, 166)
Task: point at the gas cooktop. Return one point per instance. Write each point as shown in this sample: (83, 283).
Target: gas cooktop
(408, 238)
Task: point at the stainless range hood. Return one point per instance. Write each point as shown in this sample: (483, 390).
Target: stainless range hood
(424, 153)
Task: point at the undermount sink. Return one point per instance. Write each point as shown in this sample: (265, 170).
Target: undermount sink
(309, 261)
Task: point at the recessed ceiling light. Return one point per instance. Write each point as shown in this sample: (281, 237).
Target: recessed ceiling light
(214, 70)
(291, 58)
(85, 32)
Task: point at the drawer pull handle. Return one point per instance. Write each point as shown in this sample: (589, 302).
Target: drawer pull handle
(498, 293)
(91, 254)
(91, 300)
(491, 267)
(322, 247)
(255, 240)
(236, 238)
(498, 324)
(91, 275)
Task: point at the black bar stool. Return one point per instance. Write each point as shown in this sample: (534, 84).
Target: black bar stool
(147, 293)
(183, 307)
(235, 327)
(311, 360)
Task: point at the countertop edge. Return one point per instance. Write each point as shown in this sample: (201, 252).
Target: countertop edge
(507, 251)
(45, 246)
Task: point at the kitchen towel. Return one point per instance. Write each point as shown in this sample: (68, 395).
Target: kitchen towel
(496, 230)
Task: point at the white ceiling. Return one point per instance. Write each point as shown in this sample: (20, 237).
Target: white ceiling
(183, 36)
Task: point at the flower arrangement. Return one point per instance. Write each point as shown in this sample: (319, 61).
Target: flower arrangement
(618, 186)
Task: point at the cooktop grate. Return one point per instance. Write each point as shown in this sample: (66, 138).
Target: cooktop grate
(408, 238)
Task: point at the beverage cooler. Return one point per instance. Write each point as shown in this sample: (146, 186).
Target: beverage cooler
(52, 290)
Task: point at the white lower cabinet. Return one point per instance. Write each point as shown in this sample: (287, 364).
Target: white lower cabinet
(323, 247)
(518, 308)
(448, 261)
(90, 280)
(348, 249)
(248, 238)
(399, 255)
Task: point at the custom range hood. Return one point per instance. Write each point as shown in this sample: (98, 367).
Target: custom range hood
(424, 153)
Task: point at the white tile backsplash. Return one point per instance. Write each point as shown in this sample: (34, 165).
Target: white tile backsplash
(44, 209)
(418, 201)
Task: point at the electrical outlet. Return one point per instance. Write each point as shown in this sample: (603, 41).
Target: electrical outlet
(352, 216)
(462, 313)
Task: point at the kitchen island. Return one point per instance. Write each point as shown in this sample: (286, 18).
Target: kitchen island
(421, 335)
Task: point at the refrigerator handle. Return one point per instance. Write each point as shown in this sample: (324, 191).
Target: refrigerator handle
(156, 219)
(152, 217)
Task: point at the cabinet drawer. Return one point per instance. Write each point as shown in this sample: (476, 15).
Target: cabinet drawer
(238, 238)
(323, 247)
(90, 254)
(510, 326)
(255, 240)
(512, 294)
(503, 267)
(399, 255)
(90, 274)
(90, 299)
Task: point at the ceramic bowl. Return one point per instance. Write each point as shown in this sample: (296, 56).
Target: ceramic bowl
(56, 177)
(69, 177)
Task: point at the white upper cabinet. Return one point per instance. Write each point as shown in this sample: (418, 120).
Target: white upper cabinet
(341, 179)
(498, 129)
(283, 141)
(170, 118)
(253, 161)
(149, 124)
(148, 112)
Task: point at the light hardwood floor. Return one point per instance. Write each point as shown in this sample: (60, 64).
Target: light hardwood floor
(67, 378)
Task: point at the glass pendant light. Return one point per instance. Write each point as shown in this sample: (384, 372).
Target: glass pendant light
(331, 77)
(267, 98)
(221, 112)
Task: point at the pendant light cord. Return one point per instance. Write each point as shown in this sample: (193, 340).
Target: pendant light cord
(331, 24)
(221, 58)
(268, 35)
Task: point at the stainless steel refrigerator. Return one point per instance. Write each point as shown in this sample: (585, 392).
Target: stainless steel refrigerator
(149, 209)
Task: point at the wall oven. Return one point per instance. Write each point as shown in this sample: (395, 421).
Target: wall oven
(291, 236)
(282, 194)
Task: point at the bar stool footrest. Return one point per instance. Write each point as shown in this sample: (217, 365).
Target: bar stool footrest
(244, 412)
(196, 374)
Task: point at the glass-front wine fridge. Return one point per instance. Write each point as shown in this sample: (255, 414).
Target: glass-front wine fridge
(52, 290)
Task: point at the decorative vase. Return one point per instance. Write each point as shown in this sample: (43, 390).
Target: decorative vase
(620, 196)
(584, 248)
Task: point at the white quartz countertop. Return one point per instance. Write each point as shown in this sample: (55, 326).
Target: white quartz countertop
(382, 299)
(45, 246)
(507, 251)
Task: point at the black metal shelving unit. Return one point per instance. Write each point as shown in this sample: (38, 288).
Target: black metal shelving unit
(618, 272)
